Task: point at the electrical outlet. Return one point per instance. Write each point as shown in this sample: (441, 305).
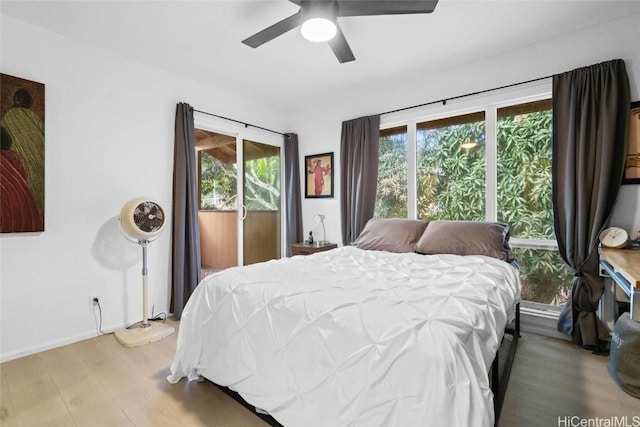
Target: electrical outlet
(93, 304)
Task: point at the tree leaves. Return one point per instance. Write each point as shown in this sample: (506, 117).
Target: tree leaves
(451, 179)
(451, 184)
(392, 177)
(524, 174)
(218, 184)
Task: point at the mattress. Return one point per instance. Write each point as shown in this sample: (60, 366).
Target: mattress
(350, 337)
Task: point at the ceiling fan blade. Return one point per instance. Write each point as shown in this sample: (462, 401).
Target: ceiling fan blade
(274, 31)
(381, 7)
(340, 47)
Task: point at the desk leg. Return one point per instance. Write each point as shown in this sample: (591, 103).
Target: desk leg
(607, 307)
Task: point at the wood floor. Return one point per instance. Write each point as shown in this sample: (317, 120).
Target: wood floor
(100, 383)
(554, 379)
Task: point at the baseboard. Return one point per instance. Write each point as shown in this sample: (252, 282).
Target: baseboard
(57, 343)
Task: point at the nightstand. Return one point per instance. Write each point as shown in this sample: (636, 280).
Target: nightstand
(308, 249)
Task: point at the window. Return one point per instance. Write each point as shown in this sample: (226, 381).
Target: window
(524, 199)
(218, 183)
(451, 168)
(261, 177)
(524, 170)
(218, 173)
(492, 162)
(544, 276)
(391, 195)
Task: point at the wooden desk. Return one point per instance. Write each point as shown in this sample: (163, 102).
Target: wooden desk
(623, 265)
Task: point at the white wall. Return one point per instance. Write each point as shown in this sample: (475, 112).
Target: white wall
(109, 137)
(319, 130)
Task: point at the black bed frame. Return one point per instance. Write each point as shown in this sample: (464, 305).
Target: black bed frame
(499, 380)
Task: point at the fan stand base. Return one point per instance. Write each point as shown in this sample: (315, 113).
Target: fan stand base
(139, 336)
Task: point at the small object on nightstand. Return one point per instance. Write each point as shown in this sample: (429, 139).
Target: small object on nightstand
(310, 239)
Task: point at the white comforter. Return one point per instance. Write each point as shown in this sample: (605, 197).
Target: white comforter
(350, 337)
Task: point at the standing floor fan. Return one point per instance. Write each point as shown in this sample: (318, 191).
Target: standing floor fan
(141, 221)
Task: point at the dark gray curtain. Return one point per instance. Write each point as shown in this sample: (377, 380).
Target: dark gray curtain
(292, 191)
(590, 127)
(185, 237)
(359, 168)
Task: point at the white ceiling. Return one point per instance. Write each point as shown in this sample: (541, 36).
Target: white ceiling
(201, 40)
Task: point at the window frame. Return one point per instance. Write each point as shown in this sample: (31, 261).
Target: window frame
(467, 116)
(488, 102)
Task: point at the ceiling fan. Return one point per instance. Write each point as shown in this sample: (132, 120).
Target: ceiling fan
(318, 20)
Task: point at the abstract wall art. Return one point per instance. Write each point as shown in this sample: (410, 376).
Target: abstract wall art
(22, 185)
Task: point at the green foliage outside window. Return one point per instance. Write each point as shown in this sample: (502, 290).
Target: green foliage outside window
(524, 175)
(452, 185)
(262, 184)
(544, 276)
(524, 202)
(218, 184)
(451, 179)
(391, 196)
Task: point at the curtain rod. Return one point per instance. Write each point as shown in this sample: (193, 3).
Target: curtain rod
(444, 101)
(238, 121)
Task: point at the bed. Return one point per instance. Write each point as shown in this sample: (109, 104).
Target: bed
(374, 334)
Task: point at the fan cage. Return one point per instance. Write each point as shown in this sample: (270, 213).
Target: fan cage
(142, 219)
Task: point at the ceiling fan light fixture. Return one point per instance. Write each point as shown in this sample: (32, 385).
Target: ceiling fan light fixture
(318, 30)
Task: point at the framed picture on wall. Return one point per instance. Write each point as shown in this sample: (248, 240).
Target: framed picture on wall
(632, 162)
(318, 181)
(22, 172)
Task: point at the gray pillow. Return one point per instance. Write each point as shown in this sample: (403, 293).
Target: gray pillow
(390, 234)
(466, 238)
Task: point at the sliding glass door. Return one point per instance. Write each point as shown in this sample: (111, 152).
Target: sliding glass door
(261, 202)
(240, 205)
